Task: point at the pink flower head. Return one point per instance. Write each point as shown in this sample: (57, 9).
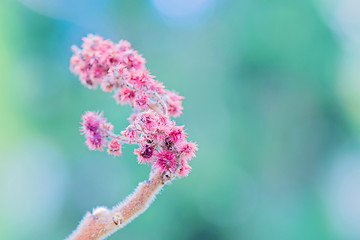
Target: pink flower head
(140, 78)
(145, 153)
(165, 161)
(92, 41)
(97, 72)
(124, 95)
(165, 121)
(157, 86)
(120, 73)
(94, 127)
(91, 122)
(188, 150)
(148, 120)
(158, 135)
(154, 125)
(185, 168)
(174, 103)
(135, 60)
(176, 134)
(110, 58)
(141, 100)
(114, 147)
(95, 141)
(124, 45)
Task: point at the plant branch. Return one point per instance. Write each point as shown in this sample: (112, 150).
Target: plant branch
(103, 221)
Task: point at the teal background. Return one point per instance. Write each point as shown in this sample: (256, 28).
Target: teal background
(271, 97)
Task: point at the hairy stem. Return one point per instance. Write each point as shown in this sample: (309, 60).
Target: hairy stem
(103, 221)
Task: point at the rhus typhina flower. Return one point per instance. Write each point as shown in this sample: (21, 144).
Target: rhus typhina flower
(119, 69)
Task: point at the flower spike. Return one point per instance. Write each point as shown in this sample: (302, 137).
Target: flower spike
(119, 69)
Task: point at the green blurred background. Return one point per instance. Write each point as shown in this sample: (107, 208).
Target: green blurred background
(272, 97)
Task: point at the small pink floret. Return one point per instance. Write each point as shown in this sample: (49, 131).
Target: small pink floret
(157, 86)
(176, 134)
(145, 154)
(165, 161)
(114, 147)
(185, 168)
(142, 100)
(174, 103)
(188, 150)
(95, 141)
(148, 120)
(124, 95)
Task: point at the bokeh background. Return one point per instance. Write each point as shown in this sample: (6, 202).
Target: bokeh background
(272, 98)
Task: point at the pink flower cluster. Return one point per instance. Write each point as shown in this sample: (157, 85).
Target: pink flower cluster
(118, 68)
(162, 143)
